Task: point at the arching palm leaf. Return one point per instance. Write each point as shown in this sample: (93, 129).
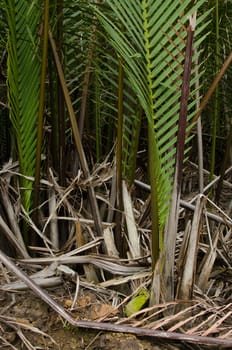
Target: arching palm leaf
(23, 84)
(152, 45)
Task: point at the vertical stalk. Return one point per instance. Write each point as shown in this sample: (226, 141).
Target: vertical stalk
(155, 222)
(54, 141)
(85, 90)
(61, 109)
(81, 153)
(216, 96)
(41, 104)
(211, 90)
(118, 238)
(135, 144)
(171, 230)
(86, 86)
(224, 164)
(97, 117)
(199, 131)
(155, 240)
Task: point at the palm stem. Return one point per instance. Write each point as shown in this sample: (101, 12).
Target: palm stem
(60, 97)
(41, 104)
(118, 238)
(211, 90)
(155, 241)
(199, 131)
(216, 96)
(81, 153)
(171, 231)
(135, 144)
(86, 87)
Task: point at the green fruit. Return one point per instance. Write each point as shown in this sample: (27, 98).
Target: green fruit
(137, 302)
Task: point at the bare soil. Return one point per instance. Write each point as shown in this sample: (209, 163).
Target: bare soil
(30, 311)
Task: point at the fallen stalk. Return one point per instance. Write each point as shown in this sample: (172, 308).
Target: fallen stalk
(189, 206)
(101, 262)
(109, 326)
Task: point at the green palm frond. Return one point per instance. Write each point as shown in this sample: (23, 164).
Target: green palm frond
(77, 26)
(81, 33)
(216, 116)
(23, 84)
(81, 45)
(131, 133)
(152, 46)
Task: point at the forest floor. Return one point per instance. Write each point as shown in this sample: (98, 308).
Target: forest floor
(31, 324)
(27, 322)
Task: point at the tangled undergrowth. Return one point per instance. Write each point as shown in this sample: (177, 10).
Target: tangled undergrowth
(89, 281)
